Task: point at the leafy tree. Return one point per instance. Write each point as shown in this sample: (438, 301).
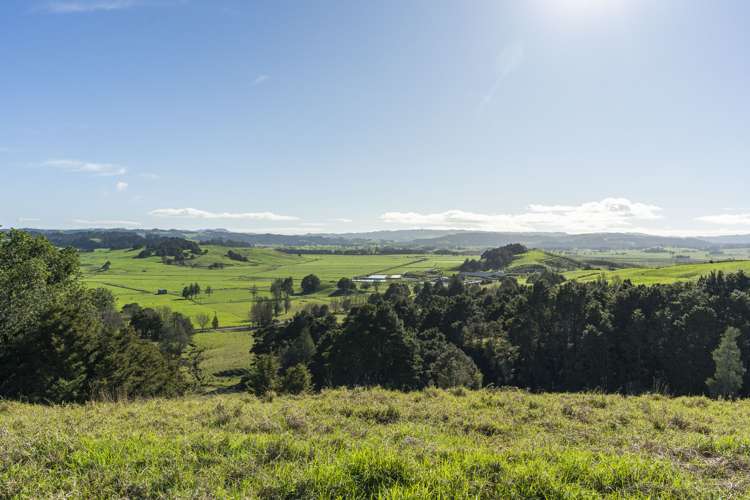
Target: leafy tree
(454, 368)
(310, 284)
(209, 290)
(263, 375)
(727, 379)
(346, 286)
(287, 286)
(262, 312)
(203, 320)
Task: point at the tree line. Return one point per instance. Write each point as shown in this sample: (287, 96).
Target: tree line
(685, 338)
(62, 342)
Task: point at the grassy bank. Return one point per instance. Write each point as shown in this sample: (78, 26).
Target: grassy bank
(364, 443)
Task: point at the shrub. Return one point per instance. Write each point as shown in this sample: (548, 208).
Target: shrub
(263, 376)
(454, 368)
(297, 379)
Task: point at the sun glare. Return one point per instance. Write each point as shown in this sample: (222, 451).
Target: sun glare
(582, 11)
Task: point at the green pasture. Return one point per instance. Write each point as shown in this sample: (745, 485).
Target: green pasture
(665, 275)
(137, 280)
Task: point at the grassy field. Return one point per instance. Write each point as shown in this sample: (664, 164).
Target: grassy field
(670, 274)
(226, 353)
(374, 443)
(137, 280)
(668, 257)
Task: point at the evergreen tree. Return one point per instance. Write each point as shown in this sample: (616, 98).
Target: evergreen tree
(215, 322)
(264, 375)
(296, 379)
(727, 379)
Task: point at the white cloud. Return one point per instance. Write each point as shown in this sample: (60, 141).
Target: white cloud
(102, 169)
(342, 220)
(106, 223)
(149, 176)
(194, 213)
(28, 219)
(727, 219)
(261, 79)
(121, 186)
(80, 6)
(609, 214)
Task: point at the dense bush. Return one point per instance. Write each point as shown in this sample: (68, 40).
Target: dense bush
(549, 336)
(60, 342)
(494, 259)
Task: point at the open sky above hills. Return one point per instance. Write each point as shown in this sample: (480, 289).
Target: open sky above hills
(547, 115)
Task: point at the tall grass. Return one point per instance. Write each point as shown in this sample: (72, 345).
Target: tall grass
(376, 443)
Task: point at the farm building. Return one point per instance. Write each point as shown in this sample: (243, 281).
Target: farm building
(161, 291)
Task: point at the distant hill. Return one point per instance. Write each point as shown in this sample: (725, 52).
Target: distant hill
(423, 239)
(552, 241)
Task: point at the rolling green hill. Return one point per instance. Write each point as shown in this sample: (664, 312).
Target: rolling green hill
(537, 260)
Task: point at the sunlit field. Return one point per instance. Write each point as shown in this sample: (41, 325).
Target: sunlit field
(137, 280)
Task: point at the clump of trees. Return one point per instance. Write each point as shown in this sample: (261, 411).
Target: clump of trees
(310, 284)
(61, 342)
(191, 291)
(236, 256)
(494, 259)
(345, 286)
(179, 249)
(549, 336)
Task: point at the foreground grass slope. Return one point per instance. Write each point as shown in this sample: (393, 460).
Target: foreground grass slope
(369, 443)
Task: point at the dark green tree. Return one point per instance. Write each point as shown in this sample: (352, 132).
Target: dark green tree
(310, 284)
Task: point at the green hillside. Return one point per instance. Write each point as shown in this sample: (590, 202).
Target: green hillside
(379, 444)
(669, 274)
(537, 260)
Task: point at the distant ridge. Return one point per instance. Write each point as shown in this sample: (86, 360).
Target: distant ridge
(417, 238)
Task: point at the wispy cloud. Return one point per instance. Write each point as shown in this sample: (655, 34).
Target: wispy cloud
(149, 176)
(102, 169)
(609, 214)
(509, 60)
(82, 6)
(105, 223)
(727, 219)
(342, 220)
(121, 187)
(194, 213)
(24, 220)
(261, 79)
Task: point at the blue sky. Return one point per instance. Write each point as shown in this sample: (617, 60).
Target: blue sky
(286, 116)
